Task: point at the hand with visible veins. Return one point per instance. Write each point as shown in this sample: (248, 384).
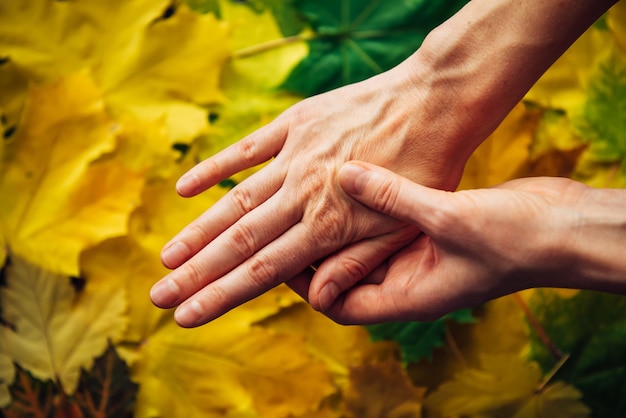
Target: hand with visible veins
(421, 119)
(478, 245)
(291, 213)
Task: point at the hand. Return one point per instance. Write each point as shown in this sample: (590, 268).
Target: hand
(291, 213)
(476, 245)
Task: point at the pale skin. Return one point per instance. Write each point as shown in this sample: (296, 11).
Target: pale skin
(422, 120)
(478, 245)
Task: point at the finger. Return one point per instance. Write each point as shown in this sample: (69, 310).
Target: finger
(301, 282)
(239, 201)
(366, 304)
(343, 270)
(230, 249)
(253, 150)
(276, 263)
(394, 195)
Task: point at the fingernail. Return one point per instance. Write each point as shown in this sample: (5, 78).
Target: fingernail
(165, 293)
(351, 178)
(188, 184)
(328, 296)
(175, 254)
(189, 314)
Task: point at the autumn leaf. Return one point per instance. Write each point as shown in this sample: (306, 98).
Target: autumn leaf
(382, 390)
(154, 84)
(418, 340)
(555, 401)
(31, 397)
(287, 17)
(591, 326)
(340, 348)
(63, 196)
(556, 148)
(250, 79)
(7, 375)
(615, 19)
(133, 49)
(504, 153)
(563, 85)
(602, 122)
(245, 371)
(13, 87)
(106, 390)
(505, 386)
(354, 40)
(53, 328)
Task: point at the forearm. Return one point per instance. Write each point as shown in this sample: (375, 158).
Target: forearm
(487, 56)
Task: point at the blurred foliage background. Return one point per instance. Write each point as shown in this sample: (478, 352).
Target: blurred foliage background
(104, 104)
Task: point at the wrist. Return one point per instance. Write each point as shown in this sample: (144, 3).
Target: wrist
(596, 249)
(481, 62)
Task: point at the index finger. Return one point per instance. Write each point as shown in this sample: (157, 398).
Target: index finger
(252, 150)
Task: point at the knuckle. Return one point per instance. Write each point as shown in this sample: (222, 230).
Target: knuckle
(242, 200)
(201, 236)
(330, 227)
(354, 269)
(194, 276)
(243, 241)
(386, 197)
(262, 272)
(247, 150)
(211, 169)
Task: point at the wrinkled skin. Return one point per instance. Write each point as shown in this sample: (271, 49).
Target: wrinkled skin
(292, 213)
(476, 245)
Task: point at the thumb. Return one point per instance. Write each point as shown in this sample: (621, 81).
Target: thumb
(394, 195)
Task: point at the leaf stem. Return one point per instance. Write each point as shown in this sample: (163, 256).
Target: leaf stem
(454, 347)
(534, 323)
(269, 45)
(546, 379)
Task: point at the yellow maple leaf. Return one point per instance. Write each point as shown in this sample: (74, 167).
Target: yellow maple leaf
(227, 369)
(13, 87)
(60, 195)
(555, 401)
(500, 329)
(503, 385)
(250, 78)
(144, 60)
(503, 153)
(616, 20)
(383, 389)
(56, 328)
(563, 86)
(339, 347)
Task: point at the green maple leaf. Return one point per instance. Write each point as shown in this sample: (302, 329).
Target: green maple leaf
(591, 326)
(418, 340)
(603, 122)
(354, 39)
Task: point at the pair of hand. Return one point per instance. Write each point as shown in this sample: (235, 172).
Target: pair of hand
(473, 246)
(292, 213)
(421, 120)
